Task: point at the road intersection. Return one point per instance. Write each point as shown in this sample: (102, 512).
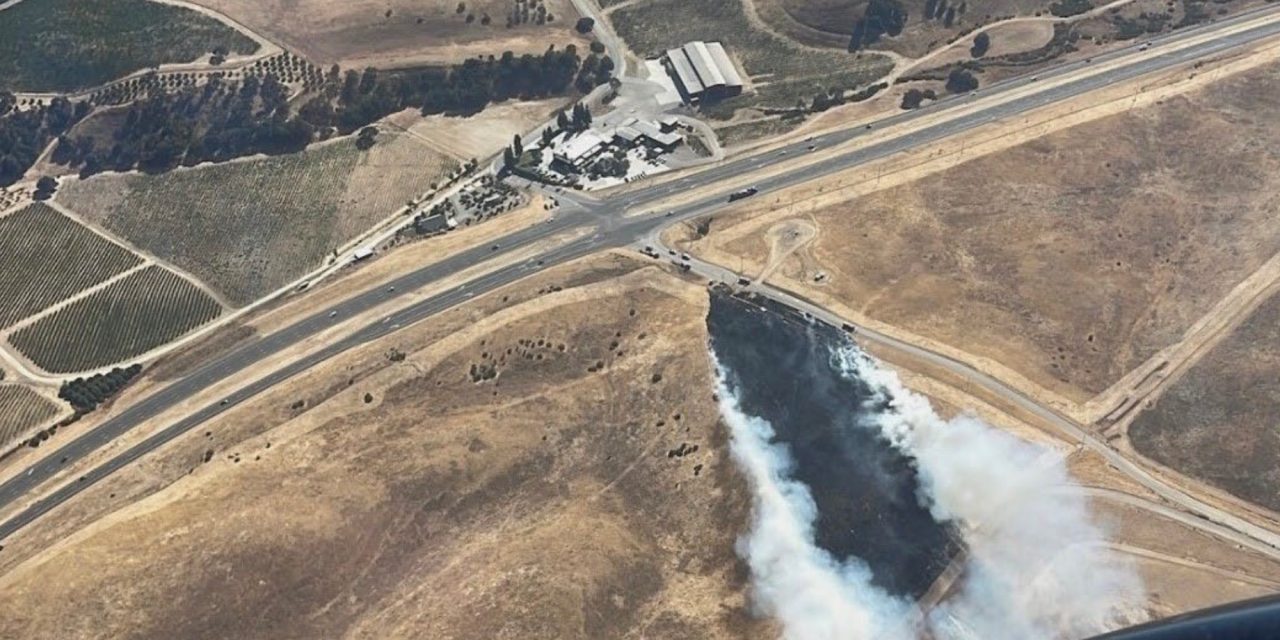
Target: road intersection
(601, 225)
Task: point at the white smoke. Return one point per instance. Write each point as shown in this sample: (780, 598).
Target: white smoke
(1037, 566)
(802, 586)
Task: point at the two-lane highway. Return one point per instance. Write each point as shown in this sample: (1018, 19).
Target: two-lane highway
(606, 228)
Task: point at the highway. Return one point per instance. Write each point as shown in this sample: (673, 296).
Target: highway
(606, 228)
(1222, 523)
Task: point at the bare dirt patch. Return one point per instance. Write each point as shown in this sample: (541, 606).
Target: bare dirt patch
(1135, 526)
(411, 497)
(383, 33)
(480, 135)
(1069, 259)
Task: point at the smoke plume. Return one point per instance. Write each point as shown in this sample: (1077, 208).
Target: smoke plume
(1036, 564)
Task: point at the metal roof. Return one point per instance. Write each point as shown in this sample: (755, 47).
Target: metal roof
(684, 72)
(703, 64)
(724, 64)
(580, 146)
(630, 134)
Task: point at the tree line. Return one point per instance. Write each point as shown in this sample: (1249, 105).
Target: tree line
(221, 120)
(24, 134)
(881, 18)
(86, 394)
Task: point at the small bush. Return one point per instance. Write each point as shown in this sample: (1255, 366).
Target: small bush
(961, 81)
(981, 43)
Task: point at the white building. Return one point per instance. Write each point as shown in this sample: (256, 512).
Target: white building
(633, 132)
(580, 149)
(703, 70)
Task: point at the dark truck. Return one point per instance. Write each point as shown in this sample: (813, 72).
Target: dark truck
(743, 193)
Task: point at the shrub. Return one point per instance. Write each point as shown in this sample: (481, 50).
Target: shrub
(981, 43)
(961, 81)
(1068, 8)
(86, 394)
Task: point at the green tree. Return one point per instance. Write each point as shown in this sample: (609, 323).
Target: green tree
(981, 43)
(961, 81)
(45, 187)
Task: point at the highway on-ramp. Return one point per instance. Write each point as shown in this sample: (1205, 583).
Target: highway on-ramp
(605, 227)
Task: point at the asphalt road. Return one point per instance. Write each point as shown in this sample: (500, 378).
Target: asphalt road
(610, 230)
(1220, 522)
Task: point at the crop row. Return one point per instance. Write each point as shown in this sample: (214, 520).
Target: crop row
(46, 257)
(119, 322)
(22, 409)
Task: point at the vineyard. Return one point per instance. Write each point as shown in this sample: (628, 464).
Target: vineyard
(124, 320)
(21, 410)
(249, 228)
(46, 256)
(64, 45)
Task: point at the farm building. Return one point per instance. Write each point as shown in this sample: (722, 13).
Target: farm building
(432, 224)
(703, 71)
(633, 132)
(580, 150)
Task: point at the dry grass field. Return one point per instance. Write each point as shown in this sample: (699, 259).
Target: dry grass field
(120, 321)
(1069, 259)
(248, 228)
(829, 23)
(480, 135)
(508, 477)
(22, 409)
(425, 498)
(397, 33)
(45, 257)
(781, 70)
(1218, 421)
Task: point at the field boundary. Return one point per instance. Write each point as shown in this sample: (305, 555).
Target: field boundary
(145, 255)
(902, 169)
(83, 293)
(127, 312)
(375, 235)
(61, 411)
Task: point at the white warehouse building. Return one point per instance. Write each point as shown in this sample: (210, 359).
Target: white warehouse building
(702, 71)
